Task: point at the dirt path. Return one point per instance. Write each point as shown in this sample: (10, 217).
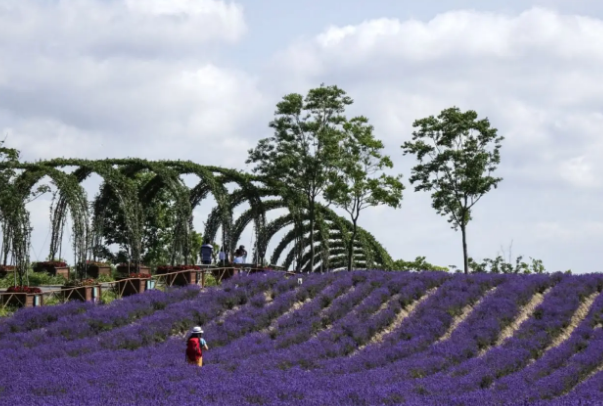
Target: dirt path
(463, 316)
(400, 317)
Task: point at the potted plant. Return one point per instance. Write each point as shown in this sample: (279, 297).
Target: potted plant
(54, 268)
(132, 284)
(94, 269)
(23, 296)
(86, 290)
(186, 274)
(129, 268)
(6, 269)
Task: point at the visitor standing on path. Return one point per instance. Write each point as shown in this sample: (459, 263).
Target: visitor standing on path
(243, 253)
(207, 251)
(194, 347)
(238, 257)
(222, 257)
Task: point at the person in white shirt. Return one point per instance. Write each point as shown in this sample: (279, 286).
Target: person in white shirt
(238, 258)
(243, 254)
(222, 257)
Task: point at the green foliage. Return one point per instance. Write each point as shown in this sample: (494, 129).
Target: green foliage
(43, 278)
(298, 160)
(129, 202)
(195, 244)
(499, 265)
(159, 221)
(107, 296)
(457, 155)
(358, 181)
(8, 311)
(419, 264)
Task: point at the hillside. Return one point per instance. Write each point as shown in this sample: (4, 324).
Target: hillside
(350, 338)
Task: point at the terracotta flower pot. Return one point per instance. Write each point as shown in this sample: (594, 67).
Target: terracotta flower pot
(19, 299)
(90, 293)
(123, 269)
(54, 270)
(94, 271)
(179, 276)
(131, 286)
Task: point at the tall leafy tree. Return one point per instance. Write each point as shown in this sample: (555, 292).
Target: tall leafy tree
(302, 153)
(360, 181)
(158, 227)
(457, 156)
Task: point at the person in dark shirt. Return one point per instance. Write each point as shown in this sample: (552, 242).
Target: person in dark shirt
(207, 251)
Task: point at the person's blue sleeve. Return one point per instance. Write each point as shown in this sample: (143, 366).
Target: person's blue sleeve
(203, 342)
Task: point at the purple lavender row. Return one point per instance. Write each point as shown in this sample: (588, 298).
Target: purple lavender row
(133, 337)
(533, 336)
(260, 314)
(259, 342)
(449, 382)
(155, 328)
(100, 318)
(34, 318)
(297, 326)
(562, 367)
(429, 322)
(203, 311)
(408, 286)
(479, 331)
(331, 345)
(293, 354)
(590, 389)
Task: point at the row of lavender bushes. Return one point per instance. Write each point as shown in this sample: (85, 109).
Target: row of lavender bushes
(311, 357)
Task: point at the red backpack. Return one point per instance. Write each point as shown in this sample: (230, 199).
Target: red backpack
(193, 348)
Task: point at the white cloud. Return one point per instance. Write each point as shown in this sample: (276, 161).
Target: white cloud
(94, 78)
(579, 172)
(538, 77)
(467, 34)
(116, 78)
(105, 28)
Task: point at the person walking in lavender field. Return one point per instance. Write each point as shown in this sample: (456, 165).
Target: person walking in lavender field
(194, 347)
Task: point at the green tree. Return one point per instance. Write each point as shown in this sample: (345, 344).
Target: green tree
(457, 155)
(499, 265)
(302, 153)
(359, 181)
(158, 230)
(419, 264)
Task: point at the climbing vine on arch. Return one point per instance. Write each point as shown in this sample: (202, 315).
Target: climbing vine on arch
(129, 198)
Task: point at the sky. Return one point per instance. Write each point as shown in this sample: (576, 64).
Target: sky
(199, 80)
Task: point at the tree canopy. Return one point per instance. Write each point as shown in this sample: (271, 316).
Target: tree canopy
(359, 181)
(303, 152)
(457, 156)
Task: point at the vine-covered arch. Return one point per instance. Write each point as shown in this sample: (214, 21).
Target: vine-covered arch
(74, 200)
(118, 183)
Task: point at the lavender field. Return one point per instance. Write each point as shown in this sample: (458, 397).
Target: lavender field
(350, 338)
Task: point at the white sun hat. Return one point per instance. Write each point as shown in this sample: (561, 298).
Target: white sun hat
(197, 330)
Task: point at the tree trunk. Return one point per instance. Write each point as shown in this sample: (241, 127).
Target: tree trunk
(312, 235)
(465, 256)
(351, 246)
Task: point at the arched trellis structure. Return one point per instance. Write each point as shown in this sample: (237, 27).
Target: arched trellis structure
(118, 175)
